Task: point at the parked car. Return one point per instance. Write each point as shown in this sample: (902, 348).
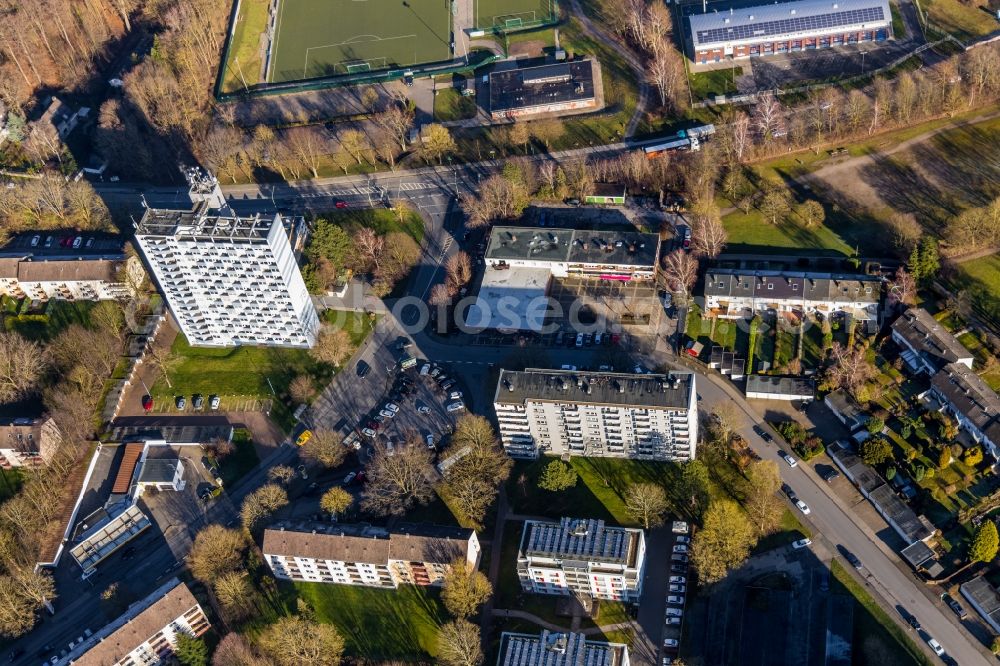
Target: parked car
(679, 557)
(787, 489)
(35, 240)
(934, 645)
(181, 402)
(147, 402)
(435, 372)
(677, 599)
(803, 507)
(214, 401)
(683, 539)
(853, 559)
(763, 434)
(430, 442)
(788, 459)
(677, 587)
(363, 369)
(424, 409)
(349, 479)
(680, 548)
(830, 475)
(455, 395)
(678, 568)
(678, 579)
(670, 643)
(456, 406)
(579, 339)
(387, 414)
(197, 401)
(77, 242)
(303, 437)
(674, 612)
(674, 621)
(801, 543)
(448, 384)
(392, 407)
(954, 606)
(679, 527)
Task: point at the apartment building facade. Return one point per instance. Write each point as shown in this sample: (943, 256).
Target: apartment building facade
(348, 554)
(559, 649)
(582, 556)
(146, 634)
(736, 294)
(600, 414)
(230, 280)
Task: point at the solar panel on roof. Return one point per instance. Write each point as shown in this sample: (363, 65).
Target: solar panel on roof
(791, 25)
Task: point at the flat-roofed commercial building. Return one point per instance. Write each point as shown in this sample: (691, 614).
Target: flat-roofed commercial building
(735, 294)
(559, 649)
(603, 254)
(146, 633)
(356, 554)
(602, 414)
(582, 556)
(526, 91)
(786, 27)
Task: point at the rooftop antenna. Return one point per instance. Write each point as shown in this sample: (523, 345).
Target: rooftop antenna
(704, 6)
(143, 198)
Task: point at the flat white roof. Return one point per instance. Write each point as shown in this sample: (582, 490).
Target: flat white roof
(511, 299)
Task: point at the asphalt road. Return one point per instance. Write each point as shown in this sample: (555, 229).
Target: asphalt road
(882, 570)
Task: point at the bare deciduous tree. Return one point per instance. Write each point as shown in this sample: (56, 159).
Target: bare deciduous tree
(261, 503)
(681, 271)
(397, 120)
(398, 481)
(336, 501)
(22, 364)
(708, 234)
(280, 474)
(325, 448)
(333, 345)
(234, 650)
(647, 503)
(215, 551)
(465, 589)
(498, 199)
(301, 389)
(762, 504)
(849, 369)
(459, 270)
(459, 644)
(296, 641)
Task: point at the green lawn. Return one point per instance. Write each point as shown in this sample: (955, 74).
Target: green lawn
(450, 104)
(598, 491)
(239, 462)
(380, 625)
(751, 233)
(382, 220)
(877, 639)
(791, 529)
(981, 279)
(784, 347)
(57, 316)
(244, 51)
(713, 82)
(898, 27)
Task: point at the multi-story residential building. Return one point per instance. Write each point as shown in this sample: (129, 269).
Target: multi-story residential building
(581, 556)
(927, 345)
(803, 25)
(963, 394)
(410, 554)
(735, 294)
(46, 266)
(559, 649)
(229, 280)
(28, 442)
(605, 414)
(146, 633)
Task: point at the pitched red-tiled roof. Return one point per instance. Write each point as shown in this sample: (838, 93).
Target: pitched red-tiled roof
(127, 468)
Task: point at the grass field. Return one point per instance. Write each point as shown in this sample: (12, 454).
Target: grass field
(965, 21)
(711, 83)
(449, 104)
(316, 38)
(512, 14)
(58, 316)
(981, 279)
(751, 233)
(381, 625)
(234, 466)
(245, 49)
(877, 637)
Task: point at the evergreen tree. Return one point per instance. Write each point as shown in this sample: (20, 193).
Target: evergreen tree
(191, 651)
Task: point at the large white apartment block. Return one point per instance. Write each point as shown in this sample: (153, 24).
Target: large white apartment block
(346, 554)
(602, 414)
(559, 649)
(581, 556)
(735, 294)
(229, 280)
(146, 633)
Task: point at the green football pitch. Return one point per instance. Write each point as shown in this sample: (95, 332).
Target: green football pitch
(316, 38)
(513, 14)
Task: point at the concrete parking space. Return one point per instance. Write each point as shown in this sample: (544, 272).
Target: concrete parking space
(779, 71)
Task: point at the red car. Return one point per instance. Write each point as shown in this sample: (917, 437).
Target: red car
(340, 204)
(147, 403)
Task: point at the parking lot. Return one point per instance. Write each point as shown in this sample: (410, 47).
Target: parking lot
(376, 397)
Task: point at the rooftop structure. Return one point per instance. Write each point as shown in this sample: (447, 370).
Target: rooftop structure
(589, 253)
(28, 441)
(582, 556)
(788, 26)
(985, 599)
(559, 649)
(525, 91)
(733, 293)
(773, 387)
(229, 280)
(969, 399)
(146, 633)
(927, 345)
(108, 535)
(511, 299)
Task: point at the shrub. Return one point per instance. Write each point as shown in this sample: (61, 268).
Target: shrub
(973, 456)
